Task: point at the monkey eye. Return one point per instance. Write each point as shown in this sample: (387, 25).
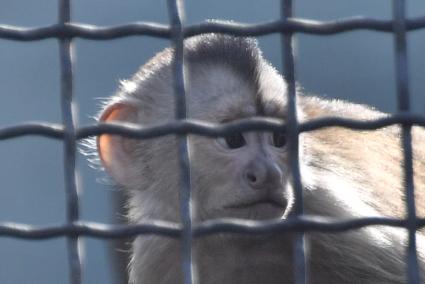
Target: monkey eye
(279, 139)
(233, 141)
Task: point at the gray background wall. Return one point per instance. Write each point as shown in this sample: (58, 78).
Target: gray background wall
(358, 66)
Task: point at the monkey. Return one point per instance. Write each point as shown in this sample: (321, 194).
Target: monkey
(345, 173)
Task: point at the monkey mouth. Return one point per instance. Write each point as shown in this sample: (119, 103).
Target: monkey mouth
(278, 204)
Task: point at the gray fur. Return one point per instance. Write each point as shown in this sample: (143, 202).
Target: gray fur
(346, 174)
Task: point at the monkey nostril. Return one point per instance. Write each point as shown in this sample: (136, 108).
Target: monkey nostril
(251, 177)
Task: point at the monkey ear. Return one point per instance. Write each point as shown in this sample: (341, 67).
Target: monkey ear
(114, 151)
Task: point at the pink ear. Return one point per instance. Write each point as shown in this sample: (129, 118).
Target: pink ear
(112, 152)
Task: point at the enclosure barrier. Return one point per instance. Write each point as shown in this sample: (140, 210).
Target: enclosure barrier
(65, 30)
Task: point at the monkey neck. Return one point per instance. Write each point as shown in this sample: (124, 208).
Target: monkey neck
(269, 259)
(245, 259)
(155, 260)
(225, 259)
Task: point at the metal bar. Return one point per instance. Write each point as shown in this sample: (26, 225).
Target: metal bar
(176, 14)
(72, 210)
(295, 25)
(91, 229)
(191, 126)
(173, 230)
(293, 135)
(402, 84)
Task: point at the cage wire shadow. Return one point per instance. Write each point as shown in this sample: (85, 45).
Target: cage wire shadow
(65, 30)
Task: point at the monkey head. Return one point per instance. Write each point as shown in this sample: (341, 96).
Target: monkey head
(242, 175)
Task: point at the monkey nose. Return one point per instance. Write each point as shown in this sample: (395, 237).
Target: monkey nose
(263, 174)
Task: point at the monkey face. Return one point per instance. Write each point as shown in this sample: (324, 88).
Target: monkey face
(251, 180)
(242, 175)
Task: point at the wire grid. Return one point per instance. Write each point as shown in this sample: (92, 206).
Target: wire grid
(287, 25)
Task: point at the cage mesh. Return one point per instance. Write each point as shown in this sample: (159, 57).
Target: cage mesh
(65, 30)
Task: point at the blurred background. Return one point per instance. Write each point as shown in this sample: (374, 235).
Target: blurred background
(356, 66)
